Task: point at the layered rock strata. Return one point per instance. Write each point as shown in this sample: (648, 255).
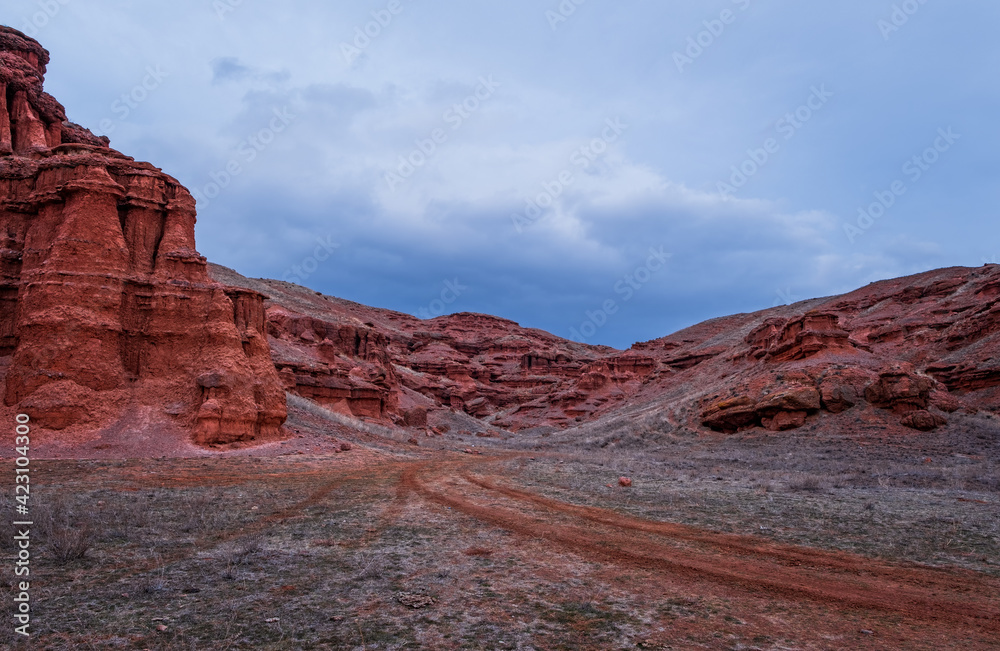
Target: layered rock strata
(105, 305)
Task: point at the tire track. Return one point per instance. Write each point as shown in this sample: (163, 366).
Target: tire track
(764, 550)
(838, 579)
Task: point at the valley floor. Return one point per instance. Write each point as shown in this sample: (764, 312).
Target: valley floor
(721, 543)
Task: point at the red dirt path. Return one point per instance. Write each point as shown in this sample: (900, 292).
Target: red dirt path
(947, 598)
(829, 592)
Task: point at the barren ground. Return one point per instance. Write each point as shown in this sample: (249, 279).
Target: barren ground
(747, 542)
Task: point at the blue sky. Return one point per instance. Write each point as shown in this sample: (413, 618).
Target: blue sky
(610, 171)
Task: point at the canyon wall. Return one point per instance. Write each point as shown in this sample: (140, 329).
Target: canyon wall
(900, 355)
(105, 305)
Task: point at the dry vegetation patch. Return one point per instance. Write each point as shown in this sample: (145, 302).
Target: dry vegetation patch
(290, 553)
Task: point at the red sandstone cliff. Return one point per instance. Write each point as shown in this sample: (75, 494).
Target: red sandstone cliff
(106, 308)
(900, 354)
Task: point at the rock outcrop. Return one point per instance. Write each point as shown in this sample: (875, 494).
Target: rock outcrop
(889, 352)
(105, 305)
(913, 349)
(376, 364)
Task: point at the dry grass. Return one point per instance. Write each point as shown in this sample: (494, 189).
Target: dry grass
(324, 576)
(898, 510)
(807, 484)
(234, 554)
(67, 530)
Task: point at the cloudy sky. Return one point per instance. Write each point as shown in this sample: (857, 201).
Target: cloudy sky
(609, 171)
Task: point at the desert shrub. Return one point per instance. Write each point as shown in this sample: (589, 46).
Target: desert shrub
(251, 544)
(121, 518)
(200, 513)
(154, 582)
(810, 484)
(66, 530)
(370, 565)
(243, 552)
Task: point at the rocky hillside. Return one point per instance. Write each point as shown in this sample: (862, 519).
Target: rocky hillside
(908, 351)
(384, 365)
(112, 325)
(905, 353)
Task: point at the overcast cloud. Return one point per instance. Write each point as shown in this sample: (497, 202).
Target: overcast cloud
(673, 161)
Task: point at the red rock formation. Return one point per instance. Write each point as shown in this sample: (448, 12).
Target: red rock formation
(800, 338)
(917, 348)
(923, 420)
(342, 366)
(900, 390)
(106, 304)
(334, 351)
(893, 350)
(786, 407)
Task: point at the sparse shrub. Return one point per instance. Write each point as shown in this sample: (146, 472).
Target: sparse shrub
(156, 581)
(121, 518)
(810, 484)
(251, 544)
(369, 565)
(198, 513)
(247, 548)
(67, 532)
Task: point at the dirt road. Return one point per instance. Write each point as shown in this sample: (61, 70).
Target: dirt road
(678, 584)
(944, 597)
